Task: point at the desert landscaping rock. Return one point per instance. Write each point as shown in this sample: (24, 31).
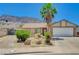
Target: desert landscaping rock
(38, 39)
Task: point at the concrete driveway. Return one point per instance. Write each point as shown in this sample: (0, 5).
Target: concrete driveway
(62, 45)
(9, 41)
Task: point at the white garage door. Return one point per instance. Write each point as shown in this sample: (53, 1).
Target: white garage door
(62, 32)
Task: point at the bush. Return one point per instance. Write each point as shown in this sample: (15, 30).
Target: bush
(22, 35)
(47, 36)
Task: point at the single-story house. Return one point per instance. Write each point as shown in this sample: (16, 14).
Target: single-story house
(63, 28)
(35, 27)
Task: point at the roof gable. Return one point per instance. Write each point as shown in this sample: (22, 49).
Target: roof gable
(68, 23)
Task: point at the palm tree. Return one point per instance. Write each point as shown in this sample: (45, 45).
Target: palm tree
(47, 12)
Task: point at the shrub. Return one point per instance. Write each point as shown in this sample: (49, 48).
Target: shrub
(47, 36)
(22, 35)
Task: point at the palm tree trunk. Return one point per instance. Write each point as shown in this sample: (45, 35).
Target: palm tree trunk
(49, 28)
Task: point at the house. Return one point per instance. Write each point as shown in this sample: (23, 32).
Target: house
(8, 28)
(63, 28)
(35, 27)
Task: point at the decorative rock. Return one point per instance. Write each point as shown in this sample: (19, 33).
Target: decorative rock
(38, 39)
(27, 42)
(39, 42)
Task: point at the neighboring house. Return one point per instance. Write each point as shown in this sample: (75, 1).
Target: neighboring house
(10, 27)
(61, 28)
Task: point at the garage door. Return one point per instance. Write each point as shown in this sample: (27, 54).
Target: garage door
(62, 32)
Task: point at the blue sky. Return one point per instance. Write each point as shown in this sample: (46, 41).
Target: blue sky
(69, 11)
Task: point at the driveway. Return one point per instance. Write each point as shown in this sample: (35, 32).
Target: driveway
(62, 45)
(9, 41)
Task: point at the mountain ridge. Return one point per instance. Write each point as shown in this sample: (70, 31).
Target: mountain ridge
(22, 19)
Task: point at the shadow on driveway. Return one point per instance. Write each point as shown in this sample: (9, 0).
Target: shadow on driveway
(57, 39)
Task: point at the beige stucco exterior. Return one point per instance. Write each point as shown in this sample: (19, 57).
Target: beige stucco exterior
(35, 27)
(63, 23)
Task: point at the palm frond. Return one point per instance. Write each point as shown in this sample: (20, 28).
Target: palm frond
(47, 10)
(53, 11)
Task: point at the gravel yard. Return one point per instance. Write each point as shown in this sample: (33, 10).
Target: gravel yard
(62, 45)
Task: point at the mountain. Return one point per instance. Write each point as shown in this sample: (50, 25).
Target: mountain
(10, 18)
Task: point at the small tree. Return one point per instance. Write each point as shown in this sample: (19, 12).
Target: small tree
(47, 12)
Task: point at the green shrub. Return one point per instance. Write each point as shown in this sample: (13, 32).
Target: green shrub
(47, 36)
(22, 35)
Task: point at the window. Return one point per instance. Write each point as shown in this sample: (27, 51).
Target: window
(37, 30)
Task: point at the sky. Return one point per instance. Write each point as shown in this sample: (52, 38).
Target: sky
(68, 11)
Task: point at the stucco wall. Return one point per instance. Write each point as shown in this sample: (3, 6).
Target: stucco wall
(63, 23)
